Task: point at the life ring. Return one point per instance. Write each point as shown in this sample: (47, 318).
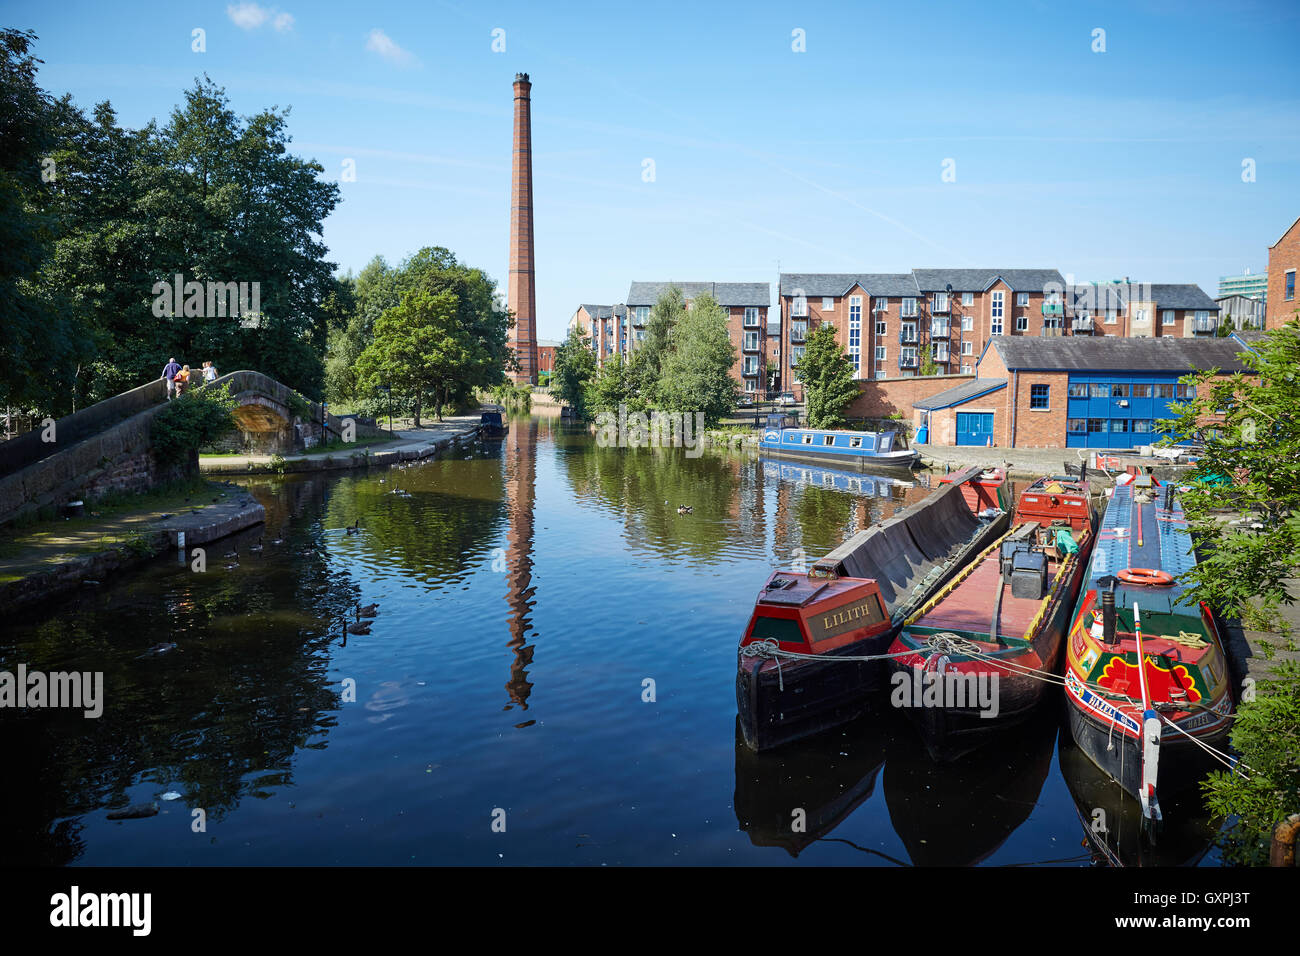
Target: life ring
(1148, 576)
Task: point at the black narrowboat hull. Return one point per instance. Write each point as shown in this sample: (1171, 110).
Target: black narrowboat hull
(806, 697)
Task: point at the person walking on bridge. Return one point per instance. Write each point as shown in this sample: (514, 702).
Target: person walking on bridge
(210, 373)
(169, 373)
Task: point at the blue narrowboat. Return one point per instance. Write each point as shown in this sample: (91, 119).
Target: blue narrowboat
(860, 449)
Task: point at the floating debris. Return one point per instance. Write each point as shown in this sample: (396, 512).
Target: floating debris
(171, 795)
(134, 812)
(157, 650)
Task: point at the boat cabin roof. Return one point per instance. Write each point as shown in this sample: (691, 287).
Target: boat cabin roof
(795, 589)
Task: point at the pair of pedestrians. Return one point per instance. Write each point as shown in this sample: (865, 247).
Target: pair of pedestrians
(178, 376)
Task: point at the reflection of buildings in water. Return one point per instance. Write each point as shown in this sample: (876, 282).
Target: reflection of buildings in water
(520, 474)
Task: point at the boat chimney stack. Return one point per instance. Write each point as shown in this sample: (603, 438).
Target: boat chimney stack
(1108, 635)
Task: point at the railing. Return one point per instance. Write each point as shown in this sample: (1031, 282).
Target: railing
(1053, 308)
(1205, 325)
(907, 334)
(939, 330)
(798, 337)
(940, 308)
(1081, 325)
(908, 361)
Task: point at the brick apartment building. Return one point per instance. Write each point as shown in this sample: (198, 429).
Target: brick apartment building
(892, 323)
(1283, 261)
(746, 305)
(606, 326)
(1140, 310)
(1051, 392)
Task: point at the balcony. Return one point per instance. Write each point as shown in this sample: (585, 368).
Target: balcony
(751, 371)
(752, 345)
(1205, 326)
(1050, 330)
(941, 356)
(1081, 326)
(939, 329)
(941, 306)
(1050, 308)
(908, 360)
(907, 333)
(798, 336)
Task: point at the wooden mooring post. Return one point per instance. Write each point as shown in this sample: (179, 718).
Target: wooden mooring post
(1285, 835)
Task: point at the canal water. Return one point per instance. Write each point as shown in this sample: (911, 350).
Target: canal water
(549, 680)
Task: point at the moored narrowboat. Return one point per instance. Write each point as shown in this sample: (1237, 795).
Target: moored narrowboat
(798, 669)
(859, 449)
(1146, 674)
(492, 425)
(983, 652)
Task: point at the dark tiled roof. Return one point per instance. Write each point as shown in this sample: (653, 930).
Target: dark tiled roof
(977, 280)
(817, 284)
(1116, 354)
(961, 393)
(605, 311)
(1182, 297)
(727, 293)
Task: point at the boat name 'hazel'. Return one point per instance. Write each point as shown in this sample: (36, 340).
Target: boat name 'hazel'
(946, 689)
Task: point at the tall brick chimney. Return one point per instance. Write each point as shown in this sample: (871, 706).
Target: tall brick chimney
(521, 292)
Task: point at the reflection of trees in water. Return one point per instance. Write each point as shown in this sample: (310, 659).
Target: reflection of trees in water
(216, 719)
(633, 485)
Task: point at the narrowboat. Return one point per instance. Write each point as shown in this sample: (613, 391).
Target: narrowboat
(860, 449)
(981, 653)
(811, 655)
(491, 425)
(808, 475)
(1146, 675)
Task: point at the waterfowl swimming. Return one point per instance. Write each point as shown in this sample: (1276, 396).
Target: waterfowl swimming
(358, 627)
(231, 554)
(355, 527)
(370, 610)
(257, 548)
(683, 509)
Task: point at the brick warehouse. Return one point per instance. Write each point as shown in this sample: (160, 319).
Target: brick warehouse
(1049, 392)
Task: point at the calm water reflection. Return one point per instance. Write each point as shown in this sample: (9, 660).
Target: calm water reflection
(527, 589)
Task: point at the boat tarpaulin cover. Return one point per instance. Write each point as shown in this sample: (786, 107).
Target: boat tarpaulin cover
(910, 547)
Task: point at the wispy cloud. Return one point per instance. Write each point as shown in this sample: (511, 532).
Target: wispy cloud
(380, 42)
(251, 16)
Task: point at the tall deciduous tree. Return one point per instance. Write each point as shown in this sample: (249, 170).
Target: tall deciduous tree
(419, 349)
(575, 367)
(828, 379)
(648, 358)
(696, 374)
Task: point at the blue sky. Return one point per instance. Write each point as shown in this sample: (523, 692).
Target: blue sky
(1126, 162)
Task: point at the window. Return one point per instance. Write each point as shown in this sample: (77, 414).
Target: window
(828, 304)
(1143, 391)
(908, 306)
(1186, 391)
(1202, 317)
(907, 357)
(751, 341)
(807, 438)
(751, 385)
(1096, 424)
(1022, 299)
(1078, 390)
(1119, 390)
(799, 306)
(1110, 316)
(1144, 425)
(997, 314)
(965, 369)
(1099, 390)
(642, 314)
(939, 328)
(798, 330)
(880, 353)
(881, 304)
(940, 351)
(828, 439)
(907, 332)
(1288, 292)
(796, 355)
(855, 331)
(968, 348)
(1038, 396)
(1166, 316)
(940, 302)
(968, 298)
(751, 316)
(751, 364)
(967, 323)
(880, 373)
(1076, 425)
(855, 442)
(1119, 425)
(880, 327)
(1022, 323)
(1164, 391)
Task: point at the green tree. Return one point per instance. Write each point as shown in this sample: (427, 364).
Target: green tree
(613, 386)
(419, 349)
(696, 372)
(648, 358)
(574, 370)
(830, 385)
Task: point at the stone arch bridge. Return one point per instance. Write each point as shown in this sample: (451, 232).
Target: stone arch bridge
(106, 447)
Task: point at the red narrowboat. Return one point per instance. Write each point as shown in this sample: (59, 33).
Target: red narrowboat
(981, 653)
(812, 653)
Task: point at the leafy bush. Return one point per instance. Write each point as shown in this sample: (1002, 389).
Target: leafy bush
(196, 418)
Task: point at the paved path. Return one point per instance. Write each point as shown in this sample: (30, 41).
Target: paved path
(1029, 462)
(411, 443)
